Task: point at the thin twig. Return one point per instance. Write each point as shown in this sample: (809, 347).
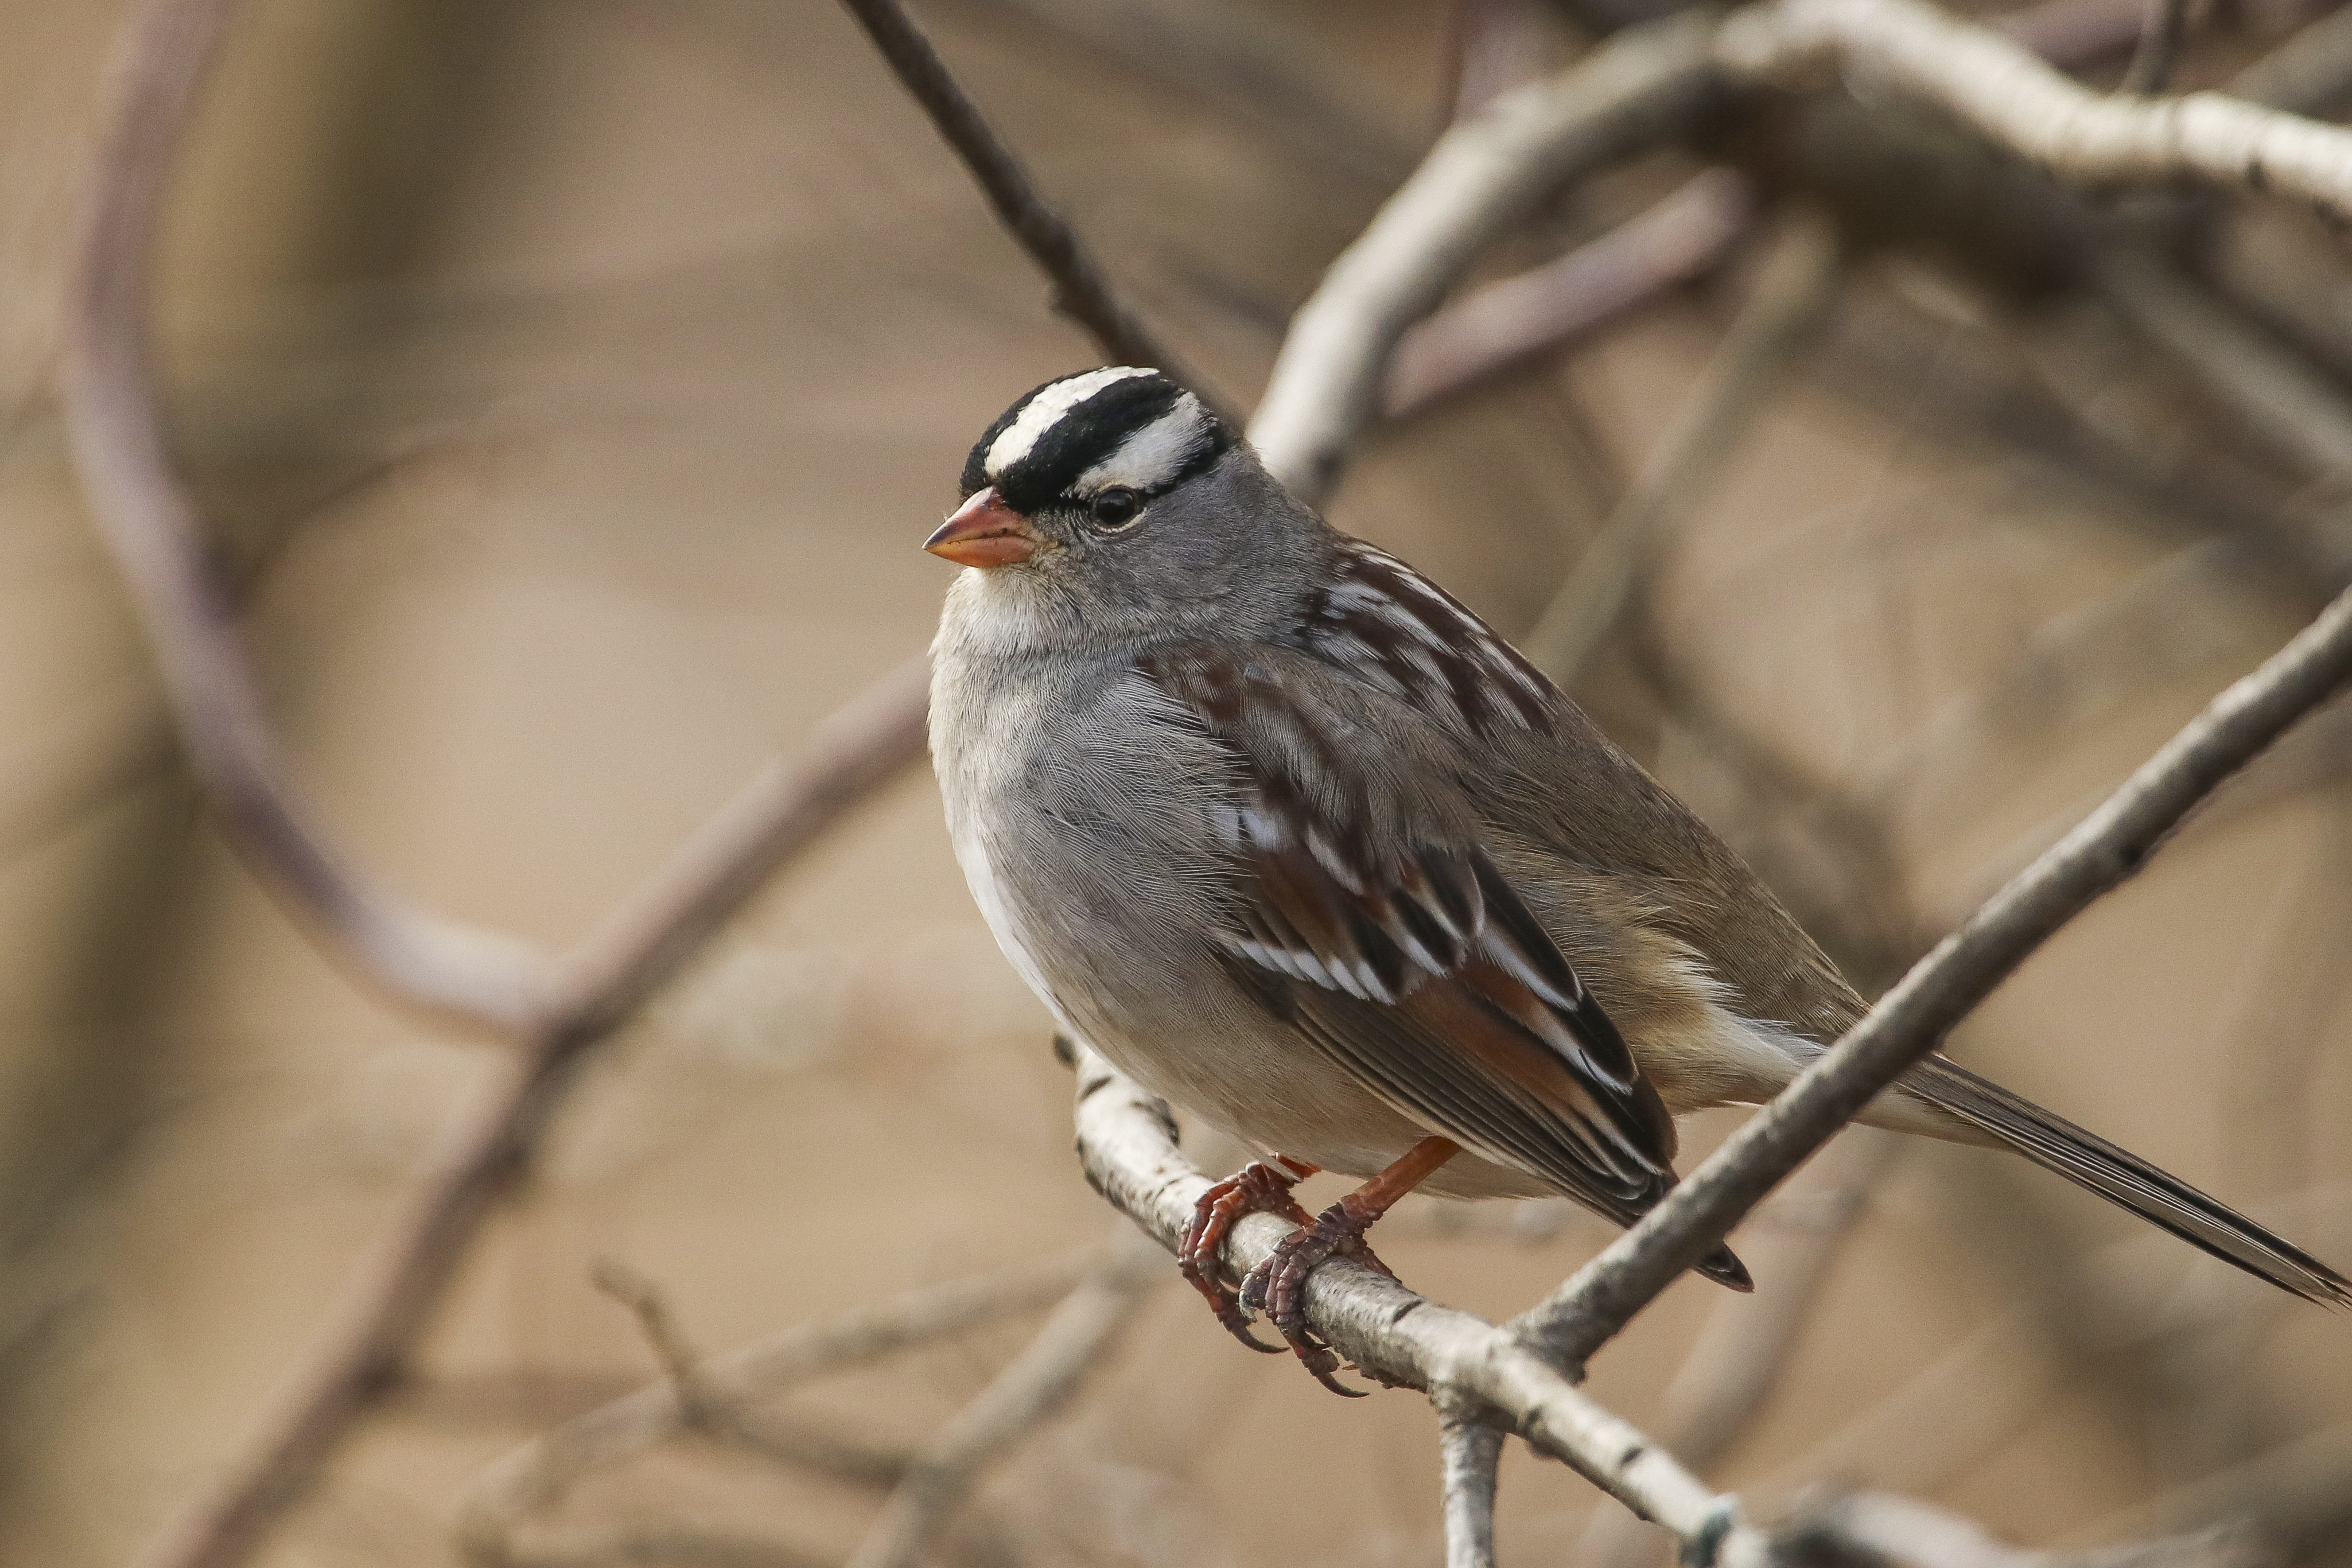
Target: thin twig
(1081, 290)
(1505, 325)
(1469, 1454)
(2310, 73)
(2160, 37)
(2282, 399)
(1035, 1384)
(1788, 298)
(1879, 1530)
(2101, 851)
(1644, 85)
(537, 1475)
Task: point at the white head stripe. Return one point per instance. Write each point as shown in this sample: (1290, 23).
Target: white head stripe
(1042, 413)
(1151, 457)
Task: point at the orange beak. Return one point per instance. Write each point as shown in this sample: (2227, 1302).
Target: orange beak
(985, 532)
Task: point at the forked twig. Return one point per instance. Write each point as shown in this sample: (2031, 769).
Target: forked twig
(538, 1475)
(2102, 853)
(1642, 86)
(1032, 1388)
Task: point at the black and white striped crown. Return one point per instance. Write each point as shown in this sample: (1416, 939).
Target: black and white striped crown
(1079, 434)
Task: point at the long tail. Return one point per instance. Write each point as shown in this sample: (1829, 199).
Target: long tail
(2120, 1176)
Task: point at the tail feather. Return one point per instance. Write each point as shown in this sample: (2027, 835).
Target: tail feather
(2122, 1178)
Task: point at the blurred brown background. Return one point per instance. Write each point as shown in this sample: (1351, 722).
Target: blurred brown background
(571, 380)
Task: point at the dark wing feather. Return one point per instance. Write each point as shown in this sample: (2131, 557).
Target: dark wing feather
(1377, 924)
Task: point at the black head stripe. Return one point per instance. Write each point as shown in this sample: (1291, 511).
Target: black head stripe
(1086, 434)
(1083, 437)
(975, 467)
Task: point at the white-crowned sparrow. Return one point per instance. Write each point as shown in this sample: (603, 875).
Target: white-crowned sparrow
(1299, 843)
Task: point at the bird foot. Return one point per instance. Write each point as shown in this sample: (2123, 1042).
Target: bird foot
(1258, 1187)
(1278, 1286)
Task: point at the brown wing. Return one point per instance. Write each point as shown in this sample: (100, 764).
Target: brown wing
(1368, 915)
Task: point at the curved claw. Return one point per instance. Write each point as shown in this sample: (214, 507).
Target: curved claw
(1323, 1375)
(1256, 1188)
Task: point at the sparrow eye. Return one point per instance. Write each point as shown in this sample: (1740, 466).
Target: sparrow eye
(1116, 508)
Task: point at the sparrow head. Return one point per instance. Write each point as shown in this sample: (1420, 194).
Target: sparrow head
(1117, 496)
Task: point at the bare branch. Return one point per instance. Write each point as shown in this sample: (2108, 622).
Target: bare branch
(2280, 397)
(1646, 84)
(538, 1475)
(2310, 73)
(1788, 298)
(1469, 1453)
(156, 537)
(1081, 291)
(1036, 1384)
(1128, 1143)
(2007, 94)
(393, 1298)
(2101, 851)
(1505, 325)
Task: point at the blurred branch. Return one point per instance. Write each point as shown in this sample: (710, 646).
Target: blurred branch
(2281, 397)
(153, 530)
(1081, 291)
(2310, 73)
(1508, 324)
(1878, 1529)
(1038, 1383)
(2159, 48)
(2008, 95)
(1469, 1452)
(1127, 1142)
(537, 1476)
(1710, 423)
(2101, 853)
(1641, 87)
(1498, 44)
(2074, 32)
(2301, 1492)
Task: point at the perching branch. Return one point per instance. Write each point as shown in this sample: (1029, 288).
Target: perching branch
(1645, 85)
(1080, 289)
(2103, 851)
(1126, 1143)
(1469, 1453)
